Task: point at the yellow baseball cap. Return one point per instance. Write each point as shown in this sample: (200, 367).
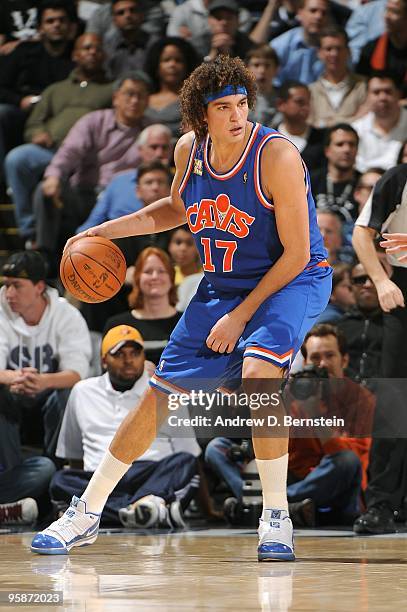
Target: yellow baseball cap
(116, 337)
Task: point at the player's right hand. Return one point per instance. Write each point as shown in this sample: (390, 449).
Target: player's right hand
(389, 294)
(92, 231)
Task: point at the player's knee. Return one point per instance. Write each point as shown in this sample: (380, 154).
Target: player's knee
(261, 369)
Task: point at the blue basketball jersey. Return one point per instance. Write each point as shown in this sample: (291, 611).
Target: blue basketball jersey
(231, 218)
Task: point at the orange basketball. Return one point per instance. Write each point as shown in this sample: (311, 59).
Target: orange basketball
(93, 269)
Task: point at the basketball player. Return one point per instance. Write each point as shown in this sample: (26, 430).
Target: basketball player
(245, 194)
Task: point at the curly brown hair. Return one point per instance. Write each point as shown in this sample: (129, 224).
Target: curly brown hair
(136, 298)
(207, 79)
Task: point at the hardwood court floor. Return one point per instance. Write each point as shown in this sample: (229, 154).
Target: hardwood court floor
(212, 570)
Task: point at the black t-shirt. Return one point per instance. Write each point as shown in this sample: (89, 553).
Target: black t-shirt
(337, 197)
(314, 149)
(154, 331)
(29, 69)
(395, 62)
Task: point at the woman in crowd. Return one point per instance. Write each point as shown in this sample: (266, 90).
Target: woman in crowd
(152, 302)
(168, 63)
(188, 269)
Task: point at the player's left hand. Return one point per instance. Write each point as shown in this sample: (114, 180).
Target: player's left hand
(225, 333)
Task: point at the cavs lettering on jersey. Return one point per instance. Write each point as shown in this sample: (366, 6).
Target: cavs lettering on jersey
(232, 219)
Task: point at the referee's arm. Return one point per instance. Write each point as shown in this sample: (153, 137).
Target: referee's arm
(381, 204)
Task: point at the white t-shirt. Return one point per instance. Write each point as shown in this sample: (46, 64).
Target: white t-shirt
(300, 141)
(93, 414)
(336, 91)
(378, 150)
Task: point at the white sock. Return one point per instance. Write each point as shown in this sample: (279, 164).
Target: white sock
(107, 475)
(273, 477)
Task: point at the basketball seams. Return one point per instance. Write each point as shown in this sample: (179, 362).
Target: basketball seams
(96, 261)
(108, 244)
(67, 282)
(84, 281)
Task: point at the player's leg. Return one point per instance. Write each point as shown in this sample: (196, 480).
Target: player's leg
(139, 428)
(275, 529)
(80, 523)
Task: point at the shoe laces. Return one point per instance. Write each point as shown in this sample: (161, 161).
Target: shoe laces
(11, 513)
(71, 524)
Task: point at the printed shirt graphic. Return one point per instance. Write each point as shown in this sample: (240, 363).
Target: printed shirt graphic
(40, 357)
(231, 218)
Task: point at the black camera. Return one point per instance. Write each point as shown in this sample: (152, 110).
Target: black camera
(241, 452)
(309, 382)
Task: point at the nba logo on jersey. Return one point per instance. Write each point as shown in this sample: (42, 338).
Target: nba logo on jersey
(161, 364)
(198, 167)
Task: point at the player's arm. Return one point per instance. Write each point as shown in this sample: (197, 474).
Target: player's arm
(282, 180)
(160, 216)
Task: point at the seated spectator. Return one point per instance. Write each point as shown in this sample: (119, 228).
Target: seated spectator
(44, 349)
(188, 269)
(388, 52)
(363, 328)
(384, 128)
(126, 44)
(331, 228)
(223, 36)
(294, 105)
(342, 297)
(365, 184)
(121, 195)
(263, 63)
(297, 49)
(24, 482)
(366, 23)
(98, 146)
(276, 18)
(329, 468)
(334, 186)
(184, 254)
(101, 20)
(29, 69)
(60, 106)
(152, 302)
(168, 63)
(161, 483)
(190, 19)
(338, 95)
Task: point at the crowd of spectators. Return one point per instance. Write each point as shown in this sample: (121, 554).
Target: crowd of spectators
(89, 116)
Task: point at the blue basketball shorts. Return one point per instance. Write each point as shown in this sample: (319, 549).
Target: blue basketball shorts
(274, 334)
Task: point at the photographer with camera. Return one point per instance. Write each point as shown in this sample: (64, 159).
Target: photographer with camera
(327, 467)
